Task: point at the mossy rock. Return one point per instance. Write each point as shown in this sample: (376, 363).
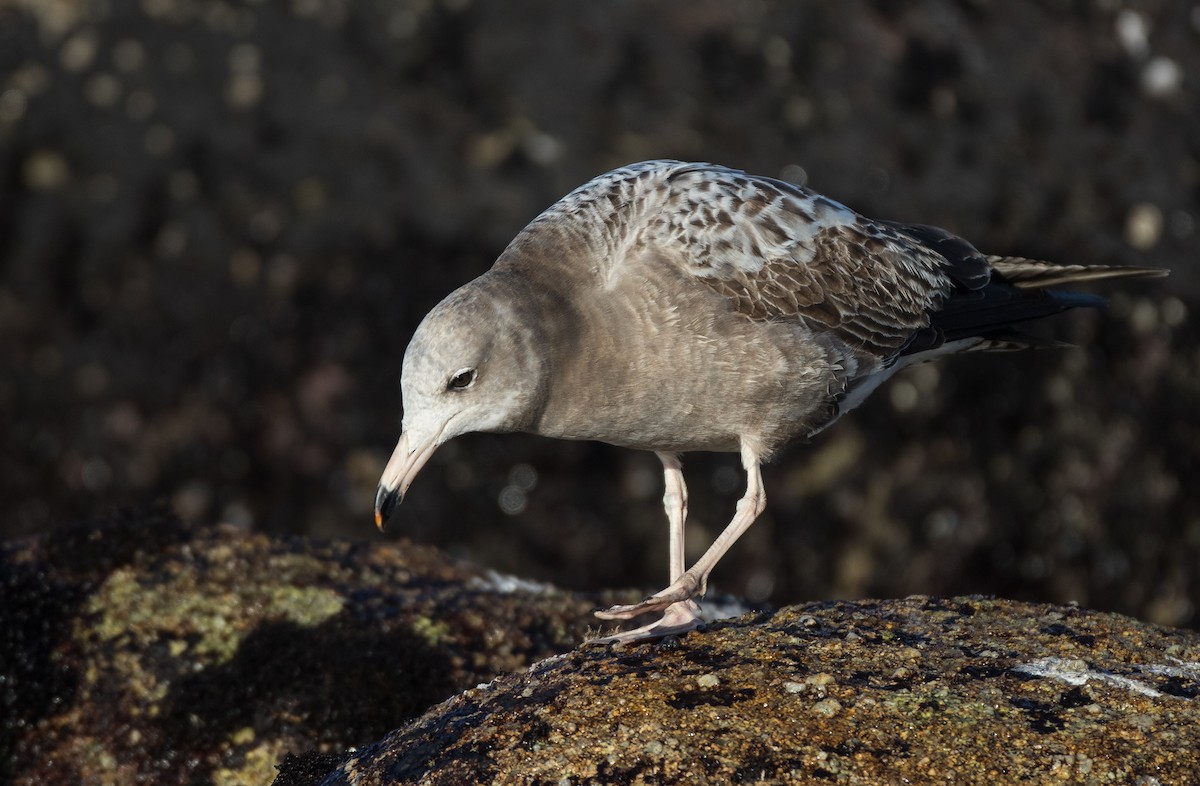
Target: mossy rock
(135, 649)
(920, 690)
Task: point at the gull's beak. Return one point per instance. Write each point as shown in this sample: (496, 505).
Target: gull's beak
(406, 462)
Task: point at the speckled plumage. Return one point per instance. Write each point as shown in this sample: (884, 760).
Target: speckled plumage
(671, 307)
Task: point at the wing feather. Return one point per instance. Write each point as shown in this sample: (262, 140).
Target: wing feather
(781, 252)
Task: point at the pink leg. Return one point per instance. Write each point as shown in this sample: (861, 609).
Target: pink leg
(675, 502)
(678, 601)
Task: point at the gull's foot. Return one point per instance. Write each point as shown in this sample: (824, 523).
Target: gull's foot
(685, 588)
(679, 617)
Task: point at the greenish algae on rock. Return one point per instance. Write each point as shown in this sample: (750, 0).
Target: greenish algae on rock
(920, 690)
(137, 650)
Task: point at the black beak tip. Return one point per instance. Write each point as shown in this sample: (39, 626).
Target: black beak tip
(386, 501)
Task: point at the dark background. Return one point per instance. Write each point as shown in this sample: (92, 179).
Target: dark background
(220, 224)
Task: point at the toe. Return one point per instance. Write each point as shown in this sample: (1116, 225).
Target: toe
(682, 591)
(677, 618)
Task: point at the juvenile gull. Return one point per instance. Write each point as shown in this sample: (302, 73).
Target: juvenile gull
(671, 307)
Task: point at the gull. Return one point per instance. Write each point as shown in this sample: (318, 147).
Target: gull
(673, 307)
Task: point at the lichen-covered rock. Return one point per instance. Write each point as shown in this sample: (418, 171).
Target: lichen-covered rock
(137, 650)
(919, 690)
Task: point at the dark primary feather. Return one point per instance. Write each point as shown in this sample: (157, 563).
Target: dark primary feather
(991, 312)
(995, 293)
(982, 304)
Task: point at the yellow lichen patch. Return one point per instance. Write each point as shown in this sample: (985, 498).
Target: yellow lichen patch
(200, 614)
(243, 736)
(433, 631)
(258, 766)
(206, 619)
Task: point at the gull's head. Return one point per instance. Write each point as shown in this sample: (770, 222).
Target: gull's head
(473, 365)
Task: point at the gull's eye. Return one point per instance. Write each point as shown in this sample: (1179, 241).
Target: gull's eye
(462, 379)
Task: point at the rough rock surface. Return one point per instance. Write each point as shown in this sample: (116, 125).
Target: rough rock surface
(921, 690)
(137, 650)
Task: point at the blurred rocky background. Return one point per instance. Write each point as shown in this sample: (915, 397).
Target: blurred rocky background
(221, 222)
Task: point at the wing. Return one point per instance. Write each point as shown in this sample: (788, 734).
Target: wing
(779, 252)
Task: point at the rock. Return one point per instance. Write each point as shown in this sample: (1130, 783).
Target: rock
(919, 690)
(136, 650)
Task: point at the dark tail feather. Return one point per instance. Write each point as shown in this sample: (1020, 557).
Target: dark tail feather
(1034, 274)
